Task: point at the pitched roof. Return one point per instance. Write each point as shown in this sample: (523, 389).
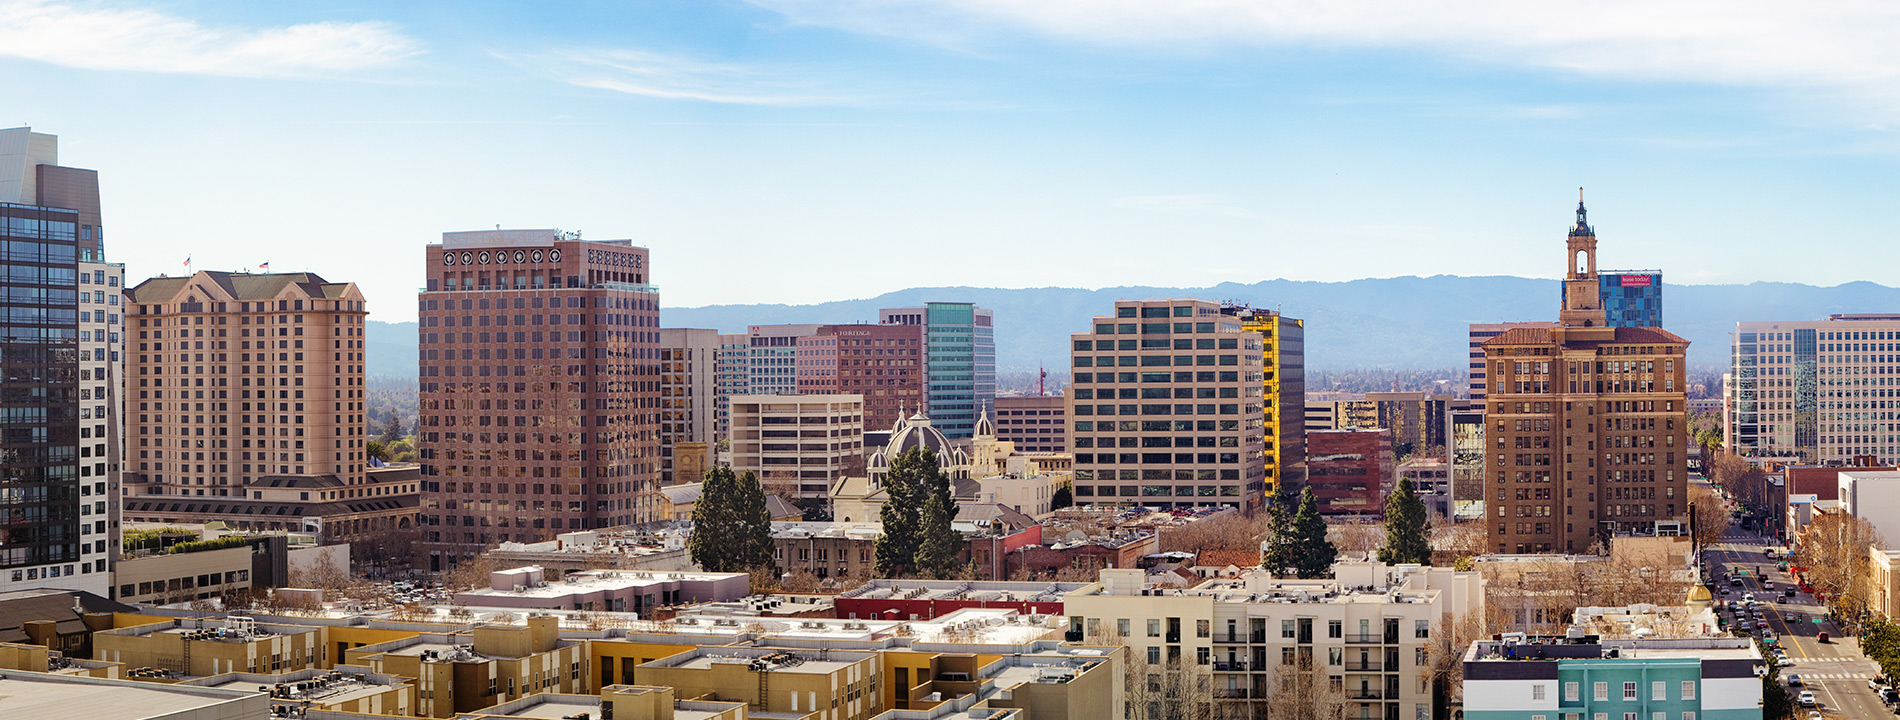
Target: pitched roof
(19, 607)
(230, 508)
(780, 508)
(683, 494)
(239, 286)
(307, 482)
(1544, 336)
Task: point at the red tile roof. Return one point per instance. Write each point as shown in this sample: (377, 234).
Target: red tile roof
(1542, 336)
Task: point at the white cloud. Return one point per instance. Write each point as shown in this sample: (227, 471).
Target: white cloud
(1848, 44)
(671, 77)
(100, 37)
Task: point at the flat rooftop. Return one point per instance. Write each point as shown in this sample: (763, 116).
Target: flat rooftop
(342, 692)
(33, 695)
(591, 581)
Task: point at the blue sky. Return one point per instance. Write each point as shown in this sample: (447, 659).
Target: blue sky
(801, 150)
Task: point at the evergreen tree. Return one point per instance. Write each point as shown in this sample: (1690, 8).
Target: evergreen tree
(937, 550)
(902, 515)
(754, 526)
(1064, 497)
(1407, 528)
(1313, 554)
(717, 542)
(1276, 555)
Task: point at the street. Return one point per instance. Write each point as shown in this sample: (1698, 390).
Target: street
(1835, 671)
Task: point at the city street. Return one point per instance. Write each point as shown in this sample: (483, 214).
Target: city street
(1835, 671)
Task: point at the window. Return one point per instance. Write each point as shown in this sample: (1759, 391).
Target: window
(1688, 716)
(1659, 690)
(1121, 626)
(1537, 695)
(1601, 691)
(1154, 628)
(1421, 628)
(1203, 628)
(1286, 628)
(1154, 656)
(1659, 716)
(1629, 693)
(1570, 692)
(1202, 654)
(1537, 717)
(1333, 628)
(1688, 693)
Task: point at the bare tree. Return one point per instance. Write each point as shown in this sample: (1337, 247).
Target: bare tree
(1711, 517)
(471, 572)
(1357, 537)
(1455, 542)
(1226, 531)
(1834, 554)
(1310, 694)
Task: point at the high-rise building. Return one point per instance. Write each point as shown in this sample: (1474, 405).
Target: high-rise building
(1813, 389)
(60, 440)
(772, 358)
(731, 376)
(274, 388)
(1588, 423)
(798, 445)
(1283, 403)
(959, 361)
(540, 389)
(1166, 407)
(1464, 462)
(1034, 423)
(1631, 298)
(1350, 471)
(1416, 419)
(688, 394)
(882, 363)
(1481, 332)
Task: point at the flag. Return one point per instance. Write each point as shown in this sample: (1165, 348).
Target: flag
(187, 262)
(265, 266)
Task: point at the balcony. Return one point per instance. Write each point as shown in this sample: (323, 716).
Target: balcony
(1232, 693)
(1364, 638)
(1363, 666)
(1230, 666)
(1365, 694)
(1230, 638)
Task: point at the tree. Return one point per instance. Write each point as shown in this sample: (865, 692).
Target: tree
(1064, 497)
(1276, 550)
(1407, 528)
(1710, 517)
(392, 429)
(1834, 552)
(376, 449)
(1306, 695)
(1880, 642)
(939, 542)
(732, 531)
(907, 484)
(1313, 554)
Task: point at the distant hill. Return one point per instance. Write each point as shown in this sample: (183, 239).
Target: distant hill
(1404, 322)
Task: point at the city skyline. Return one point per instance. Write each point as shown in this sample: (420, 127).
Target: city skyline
(714, 133)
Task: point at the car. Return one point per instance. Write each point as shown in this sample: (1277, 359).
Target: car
(1888, 695)
(1735, 582)
(1767, 584)
(1782, 661)
(1748, 598)
(1790, 617)
(1820, 637)
(1814, 715)
(1874, 683)
(1794, 680)
(1806, 698)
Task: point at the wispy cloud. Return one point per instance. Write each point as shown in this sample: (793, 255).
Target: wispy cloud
(1844, 45)
(672, 77)
(1203, 204)
(101, 37)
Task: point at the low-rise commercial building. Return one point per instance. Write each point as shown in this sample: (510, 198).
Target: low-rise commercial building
(798, 445)
(462, 671)
(1526, 678)
(205, 646)
(50, 695)
(637, 591)
(1035, 423)
(927, 599)
(1349, 471)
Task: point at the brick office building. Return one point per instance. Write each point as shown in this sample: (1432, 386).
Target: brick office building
(882, 363)
(1349, 471)
(539, 389)
(1587, 424)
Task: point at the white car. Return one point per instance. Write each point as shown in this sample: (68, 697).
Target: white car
(1782, 661)
(1806, 698)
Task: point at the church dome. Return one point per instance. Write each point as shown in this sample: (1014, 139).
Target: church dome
(985, 428)
(918, 433)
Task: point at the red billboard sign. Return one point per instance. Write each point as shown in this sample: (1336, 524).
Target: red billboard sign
(1636, 281)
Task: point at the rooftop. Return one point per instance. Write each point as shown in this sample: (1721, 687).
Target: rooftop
(1531, 649)
(40, 695)
(970, 591)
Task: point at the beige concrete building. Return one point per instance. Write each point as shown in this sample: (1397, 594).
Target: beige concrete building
(468, 670)
(798, 444)
(1035, 423)
(49, 695)
(208, 646)
(1166, 407)
(1365, 634)
(236, 376)
(688, 401)
(343, 688)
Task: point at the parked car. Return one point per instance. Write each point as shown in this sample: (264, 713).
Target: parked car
(1874, 683)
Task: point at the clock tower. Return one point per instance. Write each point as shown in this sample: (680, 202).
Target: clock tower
(1583, 304)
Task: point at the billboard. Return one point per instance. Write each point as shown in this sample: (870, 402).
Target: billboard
(1635, 281)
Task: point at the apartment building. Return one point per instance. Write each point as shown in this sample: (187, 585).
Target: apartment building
(1283, 398)
(1034, 423)
(1366, 635)
(211, 646)
(798, 444)
(240, 376)
(1167, 407)
(1522, 678)
(61, 339)
(461, 671)
(1822, 391)
(959, 361)
(1587, 424)
(730, 376)
(540, 389)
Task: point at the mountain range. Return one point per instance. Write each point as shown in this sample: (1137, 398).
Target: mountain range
(1399, 323)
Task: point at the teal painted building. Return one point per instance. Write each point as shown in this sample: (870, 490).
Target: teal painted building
(1582, 679)
(959, 362)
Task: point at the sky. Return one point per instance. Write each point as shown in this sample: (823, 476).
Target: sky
(799, 151)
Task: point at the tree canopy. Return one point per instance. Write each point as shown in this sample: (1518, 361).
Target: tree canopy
(732, 530)
(1312, 553)
(1407, 527)
(918, 537)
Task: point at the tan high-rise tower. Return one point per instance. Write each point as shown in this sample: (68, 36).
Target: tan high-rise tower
(1586, 425)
